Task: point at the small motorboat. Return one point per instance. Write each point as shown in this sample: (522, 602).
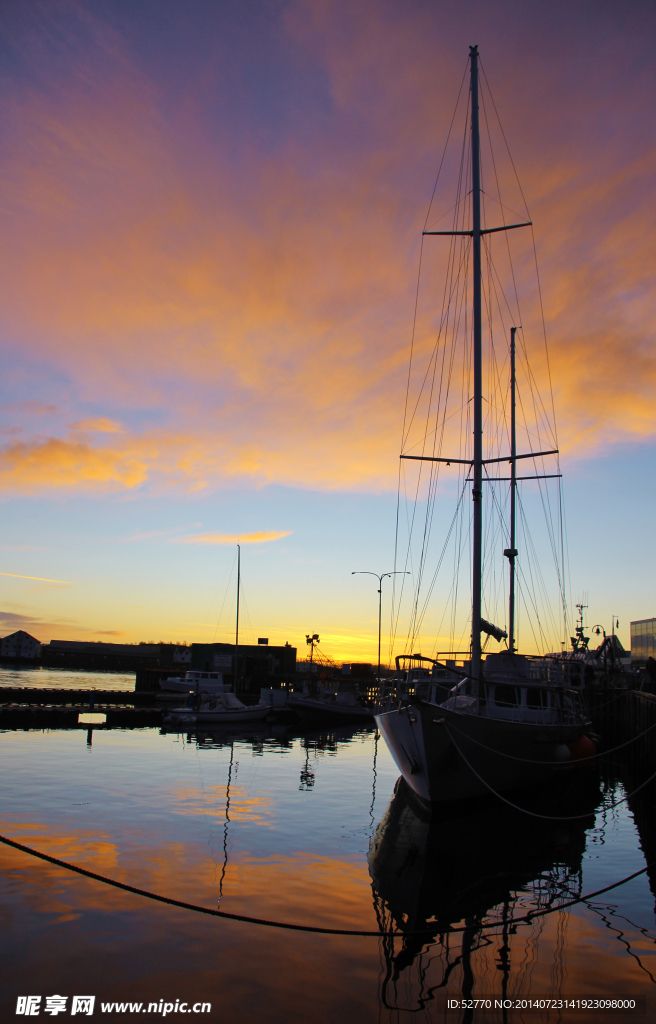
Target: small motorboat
(196, 682)
(223, 707)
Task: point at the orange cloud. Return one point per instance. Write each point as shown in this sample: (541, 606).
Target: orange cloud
(260, 537)
(255, 312)
(54, 464)
(101, 425)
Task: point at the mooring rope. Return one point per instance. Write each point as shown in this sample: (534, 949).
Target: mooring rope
(554, 764)
(288, 926)
(534, 814)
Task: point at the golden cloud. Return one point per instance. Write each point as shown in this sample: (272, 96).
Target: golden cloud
(40, 579)
(100, 425)
(256, 312)
(56, 464)
(260, 537)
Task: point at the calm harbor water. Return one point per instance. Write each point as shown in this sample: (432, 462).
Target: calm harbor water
(306, 827)
(62, 679)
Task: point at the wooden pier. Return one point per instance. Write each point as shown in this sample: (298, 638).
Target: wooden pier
(37, 708)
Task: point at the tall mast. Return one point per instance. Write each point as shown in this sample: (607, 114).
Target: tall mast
(511, 552)
(237, 626)
(477, 490)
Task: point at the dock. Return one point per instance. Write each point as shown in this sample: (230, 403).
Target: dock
(32, 708)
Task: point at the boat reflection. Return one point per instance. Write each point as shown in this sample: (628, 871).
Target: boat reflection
(441, 879)
(274, 735)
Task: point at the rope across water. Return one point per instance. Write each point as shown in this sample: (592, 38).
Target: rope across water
(288, 926)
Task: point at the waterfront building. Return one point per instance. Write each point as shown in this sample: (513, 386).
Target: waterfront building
(643, 641)
(254, 659)
(20, 645)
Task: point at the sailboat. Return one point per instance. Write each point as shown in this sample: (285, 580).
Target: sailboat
(220, 706)
(513, 717)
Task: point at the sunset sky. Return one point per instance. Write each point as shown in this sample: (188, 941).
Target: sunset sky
(211, 221)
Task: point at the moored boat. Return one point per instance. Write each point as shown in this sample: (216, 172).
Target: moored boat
(511, 718)
(195, 682)
(222, 708)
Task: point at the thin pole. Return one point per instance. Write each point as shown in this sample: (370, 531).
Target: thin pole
(380, 608)
(237, 626)
(477, 490)
(512, 553)
(380, 578)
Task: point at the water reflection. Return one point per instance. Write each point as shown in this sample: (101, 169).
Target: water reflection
(261, 737)
(451, 874)
(221, 814)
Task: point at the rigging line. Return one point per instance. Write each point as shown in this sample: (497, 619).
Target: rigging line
(534, 560)
(507, 240)
(523, 590)
(434, 469)
(451, 252)
(533, 814)
(519, 184)
(435, 429)
(225, 596)
(396, 547)
(552, 539)
(497, 199)
(512, 271)
(539, 409)
(532, 593)
(535, 254)
(412, 336)
(408, 553)
(544, 495)
(569, 573)
(413, 630)
(554, 764)
(450, 210)
(447, 298)
(419, 621)
(453, 117)
(494, 370)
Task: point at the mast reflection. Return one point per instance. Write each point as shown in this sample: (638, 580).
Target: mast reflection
(450, 874)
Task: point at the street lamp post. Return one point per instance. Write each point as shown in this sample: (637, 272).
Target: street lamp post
(380, 579)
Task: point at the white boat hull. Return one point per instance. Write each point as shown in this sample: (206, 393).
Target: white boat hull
(183, 716)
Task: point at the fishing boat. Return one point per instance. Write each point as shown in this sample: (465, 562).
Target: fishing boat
(511, 717)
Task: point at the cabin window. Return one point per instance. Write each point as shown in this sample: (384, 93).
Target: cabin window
(505, 696)
(536, 698)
